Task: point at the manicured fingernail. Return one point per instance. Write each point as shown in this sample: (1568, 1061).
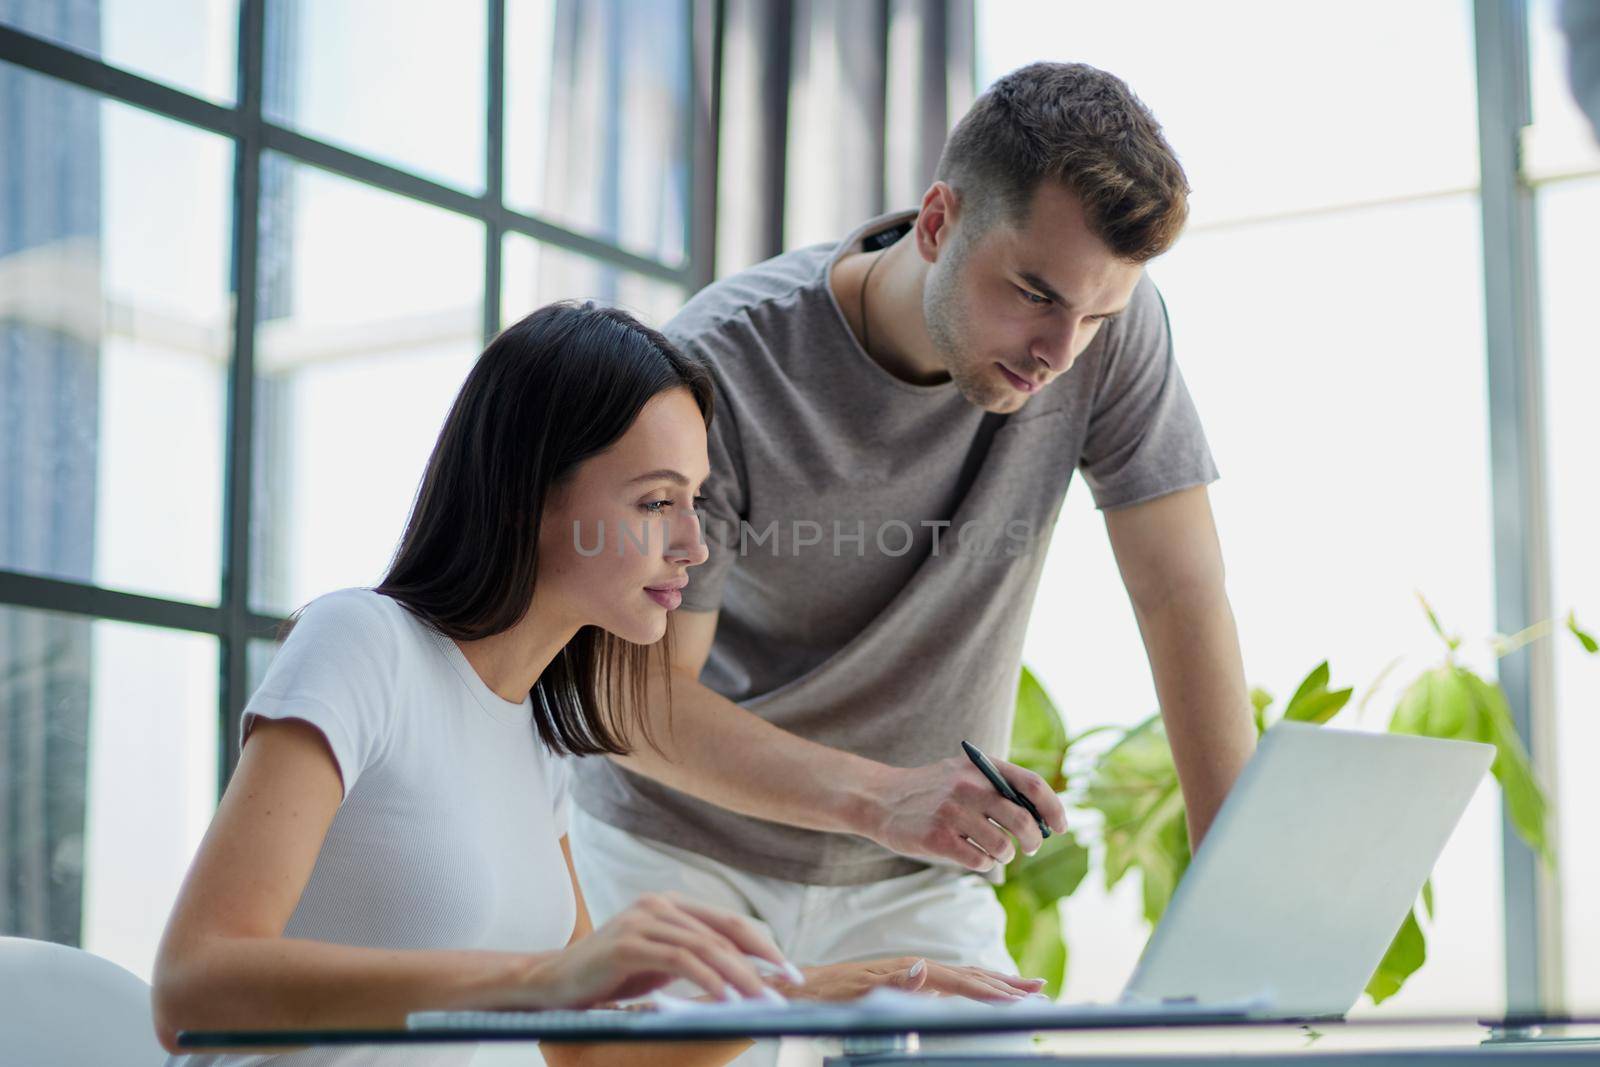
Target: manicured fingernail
(916, 969)
(768, 969)
(772, 996)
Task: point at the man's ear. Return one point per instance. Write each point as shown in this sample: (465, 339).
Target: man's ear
(940, 207)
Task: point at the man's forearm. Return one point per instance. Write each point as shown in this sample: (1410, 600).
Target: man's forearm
(1193, 645)
(713, 749)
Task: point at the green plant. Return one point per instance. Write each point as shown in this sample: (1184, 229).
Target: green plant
(1131, 787)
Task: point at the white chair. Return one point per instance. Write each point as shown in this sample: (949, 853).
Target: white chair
(64, 1007)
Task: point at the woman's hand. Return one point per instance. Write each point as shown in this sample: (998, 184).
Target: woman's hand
(657, 941)
(911, 974)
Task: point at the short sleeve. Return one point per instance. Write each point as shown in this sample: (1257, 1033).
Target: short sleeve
(725, 506)
(1144, 438)
(558, 778)
(336, 671)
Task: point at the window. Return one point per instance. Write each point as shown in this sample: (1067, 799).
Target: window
(1564, 166)
(1327, 311)
(368, 321)
(114, 351)
(111, 758)
(337, 254)
(597, 120)
(343, 73)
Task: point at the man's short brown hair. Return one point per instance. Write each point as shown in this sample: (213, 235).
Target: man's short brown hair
(1077, 125)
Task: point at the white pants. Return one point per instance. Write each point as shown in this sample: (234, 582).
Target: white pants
(944, 915)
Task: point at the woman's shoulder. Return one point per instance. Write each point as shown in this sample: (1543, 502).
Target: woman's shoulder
(358, 616)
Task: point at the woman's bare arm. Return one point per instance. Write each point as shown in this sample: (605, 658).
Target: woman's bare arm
(225, 964)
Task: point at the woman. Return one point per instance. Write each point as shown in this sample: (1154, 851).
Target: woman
(393, 839)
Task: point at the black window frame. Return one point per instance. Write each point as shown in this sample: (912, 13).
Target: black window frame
(232, 620)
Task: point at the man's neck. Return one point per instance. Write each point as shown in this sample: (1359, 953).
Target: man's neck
(893, 332)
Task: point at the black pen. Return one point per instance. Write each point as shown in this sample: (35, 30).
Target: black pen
(1002, 786)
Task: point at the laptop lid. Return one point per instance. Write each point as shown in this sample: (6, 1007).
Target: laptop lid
(1309, 868)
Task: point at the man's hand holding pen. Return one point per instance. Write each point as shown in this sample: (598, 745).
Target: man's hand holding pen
(951, 811)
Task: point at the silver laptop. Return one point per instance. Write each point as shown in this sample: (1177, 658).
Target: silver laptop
(1309, 869)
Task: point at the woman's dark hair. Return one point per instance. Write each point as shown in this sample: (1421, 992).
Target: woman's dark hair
(551, 391)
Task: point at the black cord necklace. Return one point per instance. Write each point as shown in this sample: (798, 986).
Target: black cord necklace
(866, 331)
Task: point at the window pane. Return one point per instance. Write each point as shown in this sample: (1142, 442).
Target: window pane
(189, 44)
(1287, 106)
(387, 78)
(597, 119)
(1569, 217)
(1561, 140)
(258, 656)
(371, 313)
(114, 341)
(108, 734)
(1351, 436)
(1349, 424)
(534, 274)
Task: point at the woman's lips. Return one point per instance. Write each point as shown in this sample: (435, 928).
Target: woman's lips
(1019, 383)
(667, 598)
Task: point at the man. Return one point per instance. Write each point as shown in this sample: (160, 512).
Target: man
(889, 454)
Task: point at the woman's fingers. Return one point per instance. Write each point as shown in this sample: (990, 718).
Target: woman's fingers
(1026, 985)
(968, 982)
(913, 977)
(711, 950)
(676, 962)
(741, 932)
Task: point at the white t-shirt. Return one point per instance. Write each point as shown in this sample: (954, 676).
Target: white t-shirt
(449, 833)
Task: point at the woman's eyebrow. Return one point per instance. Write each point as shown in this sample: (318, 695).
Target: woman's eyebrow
(661, 475)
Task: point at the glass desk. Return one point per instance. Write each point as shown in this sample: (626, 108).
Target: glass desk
(1126, 1040)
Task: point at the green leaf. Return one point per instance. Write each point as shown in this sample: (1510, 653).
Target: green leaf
(1319, 707)
(1586, 639)
(1135, 789)
(1034, 935)
(1313, 702)
(1044, 954)
(1020, 906)
(1260, 701)
(1315, 681)
(1092, 731)
(1439, 704)
(1427, 898)
(1524, 798)
(1038, 736)
(1165, 862)
(1054, 872)
(1407, 952)
(1453, 702)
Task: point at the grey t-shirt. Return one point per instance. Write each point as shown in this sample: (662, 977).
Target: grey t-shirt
(875, 545)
